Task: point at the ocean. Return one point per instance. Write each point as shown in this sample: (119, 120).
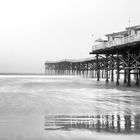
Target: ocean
(67, 108)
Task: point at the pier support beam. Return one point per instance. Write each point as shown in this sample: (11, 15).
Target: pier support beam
(98, 70)
(125, 76)
(107, 68)
(137, 78)
(118, 63)
(102, 74)
(137, 59)
(87, 70)
(128, 70)
(112, 70)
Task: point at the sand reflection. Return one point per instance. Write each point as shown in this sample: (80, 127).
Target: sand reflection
(100, 123)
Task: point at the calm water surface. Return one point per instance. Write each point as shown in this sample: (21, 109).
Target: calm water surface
(54, 107)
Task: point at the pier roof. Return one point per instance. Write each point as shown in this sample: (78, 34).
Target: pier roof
(117, 33)
(133, 27)
(71, 60)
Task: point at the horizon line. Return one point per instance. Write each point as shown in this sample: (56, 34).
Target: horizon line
(20, 73)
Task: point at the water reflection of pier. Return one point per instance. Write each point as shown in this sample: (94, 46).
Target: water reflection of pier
(100, 123)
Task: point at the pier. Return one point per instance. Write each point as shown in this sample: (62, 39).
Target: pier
(118, 56)
(83, 67)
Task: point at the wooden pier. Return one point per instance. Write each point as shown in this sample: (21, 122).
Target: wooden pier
(117, 56)
(83, 67)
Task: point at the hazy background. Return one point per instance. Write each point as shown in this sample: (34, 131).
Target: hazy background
(33, 31)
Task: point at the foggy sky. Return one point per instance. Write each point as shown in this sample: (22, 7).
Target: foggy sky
(34, 31)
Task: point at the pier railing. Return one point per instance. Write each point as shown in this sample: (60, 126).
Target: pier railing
(116, 42)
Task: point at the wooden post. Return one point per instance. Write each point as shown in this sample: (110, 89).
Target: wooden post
(117, 82)
(102, 74)
(125, 76)
(83, 72)
(98, 71)
(72, 69)
(137, 78)
(93, 73)
(107, 68)
(87, 70)
(118, 123)
(54, 69)
(128, 70)
(78, 69)
(109, 73)
(112, 70)
(93, 68)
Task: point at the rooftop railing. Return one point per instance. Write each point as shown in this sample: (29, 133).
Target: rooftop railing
(117, 42)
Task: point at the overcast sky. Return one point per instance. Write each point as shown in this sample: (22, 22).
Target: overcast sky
(33, 31)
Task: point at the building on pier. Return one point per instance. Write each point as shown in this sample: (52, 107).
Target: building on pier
(118, 35)
(133, 30)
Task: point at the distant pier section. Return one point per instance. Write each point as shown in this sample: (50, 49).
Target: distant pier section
(71, 67)
(118, 56)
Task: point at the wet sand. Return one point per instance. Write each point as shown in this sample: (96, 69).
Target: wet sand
(26, 102)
